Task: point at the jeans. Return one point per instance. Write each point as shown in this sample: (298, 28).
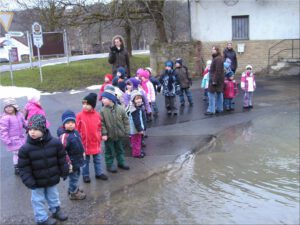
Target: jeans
(38, 198)
(248, 98)
(228, 103)
(154, 107)
(73, 181)
(188, 95)
(97, 165)
(215, 102)
(114, 148)
(170, 102)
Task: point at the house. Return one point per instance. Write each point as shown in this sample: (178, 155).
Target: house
(262, 31)
(18, 48)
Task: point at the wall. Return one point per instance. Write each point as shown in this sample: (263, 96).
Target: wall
(256, 53)
(188, 51)
(268, 19)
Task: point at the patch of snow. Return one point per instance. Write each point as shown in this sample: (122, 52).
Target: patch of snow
(72, 92)
(16, 92)
(94, 87)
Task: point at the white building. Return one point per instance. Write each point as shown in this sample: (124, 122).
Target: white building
(22, 49)
(264, 27)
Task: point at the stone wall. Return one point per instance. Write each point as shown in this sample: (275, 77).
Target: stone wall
(195, 54)
(256, 53)
(188, 51)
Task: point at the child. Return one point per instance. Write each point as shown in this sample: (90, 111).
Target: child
(185, 82)
(88, 123)
(120, 79)
(137, 123)
(42, 161)
(205, 80)
(115, 125)
(12, 134)
(230, 92)
(171, 88)
(148, 88)
(156, 85)
(71, 141)
(34, 106)
(107, 80)
(248, 85)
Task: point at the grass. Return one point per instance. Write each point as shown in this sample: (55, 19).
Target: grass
(64, 77)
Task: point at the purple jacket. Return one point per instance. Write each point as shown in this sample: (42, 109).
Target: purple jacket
(33, 108)
(12, 130)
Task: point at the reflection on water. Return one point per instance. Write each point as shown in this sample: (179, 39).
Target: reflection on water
(251, 178)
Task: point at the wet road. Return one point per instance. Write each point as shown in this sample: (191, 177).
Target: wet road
(169, 138)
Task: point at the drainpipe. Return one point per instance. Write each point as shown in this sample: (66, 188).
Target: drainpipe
(190, 26)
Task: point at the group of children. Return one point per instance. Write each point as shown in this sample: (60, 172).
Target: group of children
(248, 85)
(127, 105)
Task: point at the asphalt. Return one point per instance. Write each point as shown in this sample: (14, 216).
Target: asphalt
(171, 139)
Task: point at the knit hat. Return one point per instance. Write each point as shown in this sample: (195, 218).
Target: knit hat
(134, 94)
(169, 63)
(139, 72)
(135, 82)
(149, 69)
(10, 102)
(179, 61)
(34, 96)
(91, 99)
(249, 67)
(109, 76)
(145, 74)
(37, 122)
(68, 116)
(109, 95)
(122, 71)
(110, 88)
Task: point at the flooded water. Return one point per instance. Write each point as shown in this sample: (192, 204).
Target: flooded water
(251, 176)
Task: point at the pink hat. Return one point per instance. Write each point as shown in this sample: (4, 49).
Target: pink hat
(139, 72)
(145, 74)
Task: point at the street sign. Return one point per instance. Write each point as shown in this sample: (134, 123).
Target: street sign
(37, 34)
(16, 33)
(6, 19)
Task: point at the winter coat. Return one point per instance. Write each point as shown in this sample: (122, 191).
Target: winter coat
(120, 83)
(88, 124)
(183, 76)
(115, 122)
(42, 162)
(248, 81)
(205, 81)
(170, 83)
(216, 75)
(119, 58)
(73, 146)
(137, 120)
(232, 56)
(33, 108)
(11, 130)
(155, 83)
(230, 88)
(150, 93)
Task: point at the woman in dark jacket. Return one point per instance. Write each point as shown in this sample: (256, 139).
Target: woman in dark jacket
(118, 56)
(216, 83)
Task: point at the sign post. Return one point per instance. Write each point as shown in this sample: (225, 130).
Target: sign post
(38, 42)
(8, 47)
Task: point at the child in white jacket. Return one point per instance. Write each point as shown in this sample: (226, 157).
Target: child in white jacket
(248, 85)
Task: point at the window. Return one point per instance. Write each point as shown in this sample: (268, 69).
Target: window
(240, 28)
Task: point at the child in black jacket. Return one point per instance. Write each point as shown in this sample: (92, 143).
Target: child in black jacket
(42, 161)
(72, 143)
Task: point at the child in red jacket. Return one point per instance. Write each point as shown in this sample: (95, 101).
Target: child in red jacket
(230, 92)
(88, 123)
(107, 80)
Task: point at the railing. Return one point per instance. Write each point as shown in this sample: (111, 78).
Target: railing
(293, 49)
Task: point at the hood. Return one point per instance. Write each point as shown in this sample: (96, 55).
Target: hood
(118, 36)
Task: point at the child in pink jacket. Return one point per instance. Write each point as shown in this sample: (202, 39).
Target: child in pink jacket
(12, 124)
(34, 107)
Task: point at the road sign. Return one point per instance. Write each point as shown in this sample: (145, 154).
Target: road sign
(16, 33)
(6, 19)
(37, 34)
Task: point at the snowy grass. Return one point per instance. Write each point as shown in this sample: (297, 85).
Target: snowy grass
(62, 77)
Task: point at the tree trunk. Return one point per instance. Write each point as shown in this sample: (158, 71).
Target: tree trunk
(128, 38)
(100, 38)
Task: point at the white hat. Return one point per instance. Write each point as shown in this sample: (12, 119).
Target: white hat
(10, 102)
(249, 66)
(34, 96)
(149, 69)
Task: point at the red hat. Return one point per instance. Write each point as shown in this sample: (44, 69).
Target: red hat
(109, 76)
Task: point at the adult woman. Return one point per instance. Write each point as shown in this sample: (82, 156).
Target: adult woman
(118, 56)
